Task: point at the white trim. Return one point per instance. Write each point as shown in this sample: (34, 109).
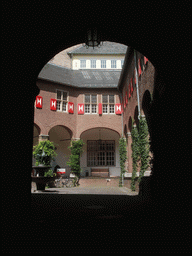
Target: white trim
(129, 174)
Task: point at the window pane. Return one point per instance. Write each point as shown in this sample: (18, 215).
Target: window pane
(64, 95)
(111, 99)
(105, 98)
(82, 63)
(103, 63)
(87, 98)
(64, 106)
(101, 145)
(87, 108)
(122, 62)
(93, 98)
(94, 109)
(93, 63)
(111, 109)
(101, 158)
(58, 95)
(113, 64)
(58, 105)
(92, 145)
(105, 108)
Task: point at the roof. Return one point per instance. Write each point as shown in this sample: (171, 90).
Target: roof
(106, 48)
(88, 78)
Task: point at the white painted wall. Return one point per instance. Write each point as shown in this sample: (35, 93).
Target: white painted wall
(76, 60)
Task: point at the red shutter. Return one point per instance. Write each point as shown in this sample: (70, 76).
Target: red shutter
(131, 85)
(53, 104)
(125, 102)
(129, 90)
(71, 107)
(126, 98)
(100, 108)
(139, 67)
(39, 102)
(80, 109)
(118, 109)
(145, 60)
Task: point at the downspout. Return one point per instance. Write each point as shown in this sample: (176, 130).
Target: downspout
(137, 86)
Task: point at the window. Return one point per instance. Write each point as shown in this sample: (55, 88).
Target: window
(122, 62)
(100, 153)
(93, 63)
(62, 100)
(90, 104)
(103, 63)
(82, 63)
(113, 64)
(108, 104)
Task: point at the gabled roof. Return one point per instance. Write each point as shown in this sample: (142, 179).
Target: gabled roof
(88, 78)
(106, 48)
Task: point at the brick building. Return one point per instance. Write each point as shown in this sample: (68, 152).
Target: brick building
(92, 100)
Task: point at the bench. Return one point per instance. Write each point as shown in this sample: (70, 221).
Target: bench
(100, 172)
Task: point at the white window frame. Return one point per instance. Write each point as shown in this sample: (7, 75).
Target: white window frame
(115, 61)
(61, 106)
(91, 63)
(83, 66)
(91, 104)
(108, 104)
(122, 63)
(105, 64)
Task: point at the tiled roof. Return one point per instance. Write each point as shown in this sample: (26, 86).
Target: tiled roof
(106, 48)
(80, 78)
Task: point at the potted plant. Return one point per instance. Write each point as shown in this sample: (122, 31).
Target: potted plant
(44, 153)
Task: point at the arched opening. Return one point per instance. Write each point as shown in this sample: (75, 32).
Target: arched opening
(101, 150)
(61, 136)
(146, 106)
(44, 33)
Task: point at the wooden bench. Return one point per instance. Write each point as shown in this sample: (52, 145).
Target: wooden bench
(100, 172)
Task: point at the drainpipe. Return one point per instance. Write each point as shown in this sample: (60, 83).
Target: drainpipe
(137, 87)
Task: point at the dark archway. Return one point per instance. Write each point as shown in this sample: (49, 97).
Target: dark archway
(32, 35)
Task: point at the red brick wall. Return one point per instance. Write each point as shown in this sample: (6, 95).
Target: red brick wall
(145, 82)
(46, 118)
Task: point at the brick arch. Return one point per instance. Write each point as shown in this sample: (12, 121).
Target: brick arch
(42, 129)
(59, 122)
(98, 127)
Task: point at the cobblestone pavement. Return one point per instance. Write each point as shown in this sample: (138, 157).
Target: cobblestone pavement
(97, 190)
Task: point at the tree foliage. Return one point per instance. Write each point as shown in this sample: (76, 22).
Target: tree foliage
(76, 149)
(140, 150)
(135, 154)
(143, 147)
(44, 152)
(123, 158)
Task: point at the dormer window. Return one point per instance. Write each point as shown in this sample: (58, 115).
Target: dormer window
(113, 64)
(93, 63)
(103, 63)
(82, 63)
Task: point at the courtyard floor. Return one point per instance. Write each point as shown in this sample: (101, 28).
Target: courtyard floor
(91, 190)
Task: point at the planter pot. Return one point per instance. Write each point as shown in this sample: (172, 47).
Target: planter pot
(39, 178)
(41, 181)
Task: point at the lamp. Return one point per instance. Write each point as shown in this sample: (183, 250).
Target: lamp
(92, 38)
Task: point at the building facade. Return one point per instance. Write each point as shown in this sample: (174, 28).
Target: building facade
(93, 101)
